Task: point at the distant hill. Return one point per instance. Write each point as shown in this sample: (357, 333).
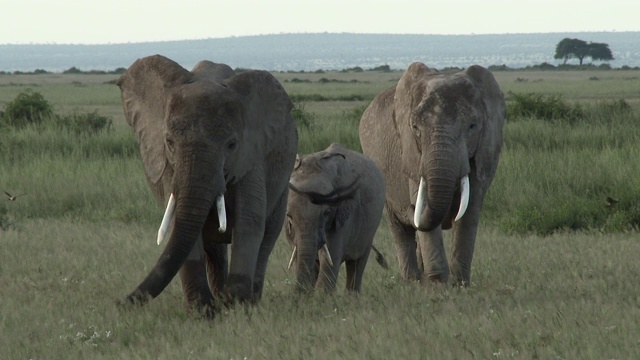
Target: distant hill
(322, 51)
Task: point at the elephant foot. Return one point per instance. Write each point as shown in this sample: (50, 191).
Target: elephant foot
(437, 279)
(239, 288)
(462, 283)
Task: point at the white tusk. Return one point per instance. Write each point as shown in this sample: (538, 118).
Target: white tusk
(222, 214)
(166, 219)
(293, 257)
(325, 250)
(464, 197)
(419, 202)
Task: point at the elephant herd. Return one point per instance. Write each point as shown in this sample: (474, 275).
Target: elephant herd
(219, 154)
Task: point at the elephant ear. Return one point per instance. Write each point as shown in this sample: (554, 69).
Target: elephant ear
(345, 179)
(491, 140)
(267, 111)
(144, 88)
(212, 71)
(410, 91)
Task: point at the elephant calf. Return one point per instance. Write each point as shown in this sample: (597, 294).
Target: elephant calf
(333, 213)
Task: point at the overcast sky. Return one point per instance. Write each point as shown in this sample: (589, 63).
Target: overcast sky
(121, 21)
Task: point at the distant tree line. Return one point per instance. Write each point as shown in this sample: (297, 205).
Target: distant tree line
(71, 70)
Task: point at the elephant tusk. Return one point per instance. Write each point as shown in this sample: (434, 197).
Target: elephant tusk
(419, 203)
(166, 219)
(464, 197)
(222, 214)
(293, 257)
(325, 250)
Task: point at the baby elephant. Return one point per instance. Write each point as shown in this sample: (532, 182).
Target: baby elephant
(333, 213)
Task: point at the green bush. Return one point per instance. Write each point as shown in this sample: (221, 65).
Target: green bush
(541, 106)
(72, 70)
(29, 107)
(382, 68)
(85, 123)
(304, 119)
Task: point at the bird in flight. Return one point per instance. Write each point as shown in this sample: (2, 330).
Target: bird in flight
(13, 197)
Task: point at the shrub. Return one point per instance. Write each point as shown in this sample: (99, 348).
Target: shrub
(546, 107)
(382, 68)
(502, 67)
(296, 80)
(304, 119)
(29, 107)
(72, 70)
(85, 124)
(353, 69)
(619, 106)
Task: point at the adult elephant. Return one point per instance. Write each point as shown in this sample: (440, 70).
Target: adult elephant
(333, 213)
(218, 149)
(437, 139)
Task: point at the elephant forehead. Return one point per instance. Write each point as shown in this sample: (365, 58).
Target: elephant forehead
(203, 111)
(309, 177)
(204, 98)
(452, 88)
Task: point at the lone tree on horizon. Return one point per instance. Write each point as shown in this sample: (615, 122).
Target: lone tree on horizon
(579, 49)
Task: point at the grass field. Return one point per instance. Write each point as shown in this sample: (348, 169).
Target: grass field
(554, 275)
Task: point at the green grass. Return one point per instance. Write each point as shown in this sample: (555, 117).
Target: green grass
(571, 295)
(554, 273)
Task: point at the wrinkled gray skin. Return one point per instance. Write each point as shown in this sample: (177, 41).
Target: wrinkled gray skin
(337, 198)
(440, 127)
(205, 133)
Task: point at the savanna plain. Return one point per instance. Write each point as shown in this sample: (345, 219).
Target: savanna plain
(555, 273)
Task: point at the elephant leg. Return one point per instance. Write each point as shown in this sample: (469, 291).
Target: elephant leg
(351, 266)
(419, 258)
(405, 239)
(434, 256)
(463, 241)
(355, 272)
(273, 227)
(328, 275)
(248, 234)
(217, 267)
(193, 276)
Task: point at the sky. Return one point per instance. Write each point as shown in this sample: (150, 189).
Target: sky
(129, 21)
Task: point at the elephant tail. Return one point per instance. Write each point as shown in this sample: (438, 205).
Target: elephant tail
(380, 258)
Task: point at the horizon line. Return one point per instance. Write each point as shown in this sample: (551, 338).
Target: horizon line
(308, 33)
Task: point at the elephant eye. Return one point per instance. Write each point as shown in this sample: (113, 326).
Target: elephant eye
(473, 127)
(415, 129)
(169, 143)
(298, 162)
(232, 145)
(289, 224)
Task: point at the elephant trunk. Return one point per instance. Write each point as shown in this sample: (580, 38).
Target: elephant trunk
(437, 186)
(193, 202)
(190, 215)
(307, 262)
